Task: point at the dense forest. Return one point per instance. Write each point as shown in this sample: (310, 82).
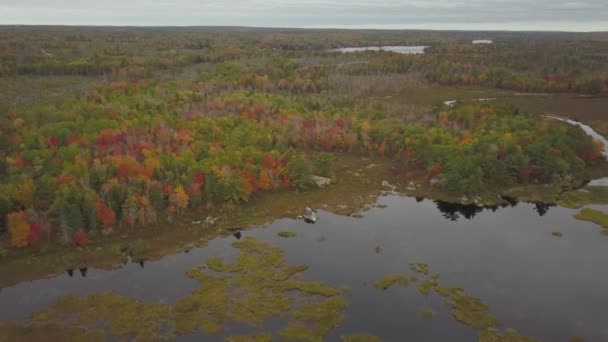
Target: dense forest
(127, 153)
(173, 120)
(529, 62)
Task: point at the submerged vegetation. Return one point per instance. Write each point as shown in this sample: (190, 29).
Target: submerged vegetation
(390, 280)
(595, 216)
(585, 196)
(465, 308)
(257, 287)
(287, 234)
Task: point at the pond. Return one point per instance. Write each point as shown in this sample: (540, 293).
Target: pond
(544, 286)
(406, 50)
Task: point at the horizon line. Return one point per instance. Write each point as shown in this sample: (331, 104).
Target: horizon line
(363, 27)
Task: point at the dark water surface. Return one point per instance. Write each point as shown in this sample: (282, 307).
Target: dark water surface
(545, 287)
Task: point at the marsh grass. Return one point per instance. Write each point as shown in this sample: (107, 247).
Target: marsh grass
(465, 308)
(258, 286)
(592, 215)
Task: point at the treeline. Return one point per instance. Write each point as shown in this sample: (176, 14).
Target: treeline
(527, 62)
(133, 153)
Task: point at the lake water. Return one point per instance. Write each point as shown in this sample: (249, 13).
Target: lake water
(546, 287)
(406, 50)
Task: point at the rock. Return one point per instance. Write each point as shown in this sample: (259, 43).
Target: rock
(197, 222)
(309, 216)
(411, 186)
(319, 181)
(342, 206)
(434, 181)
(188, 247)
(599, 182)
(370, 166)
(237, 235)
(388, 185)
(211, 220)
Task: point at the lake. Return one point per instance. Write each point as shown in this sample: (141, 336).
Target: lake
(406, 50)
(544, 286)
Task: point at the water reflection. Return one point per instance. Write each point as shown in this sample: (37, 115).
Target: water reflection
(543, 208)
(454, 211)
(83, 272)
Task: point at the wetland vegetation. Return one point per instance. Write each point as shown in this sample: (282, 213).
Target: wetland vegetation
(133, 146)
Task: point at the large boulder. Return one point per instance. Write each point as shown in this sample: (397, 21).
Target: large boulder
(309, 216)
(321, 182)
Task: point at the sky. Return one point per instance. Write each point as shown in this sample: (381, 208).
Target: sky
(550, 15)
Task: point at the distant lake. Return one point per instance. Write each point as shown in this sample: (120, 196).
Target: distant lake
(406, 50)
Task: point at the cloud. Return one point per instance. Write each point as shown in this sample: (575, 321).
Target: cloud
(303, 13)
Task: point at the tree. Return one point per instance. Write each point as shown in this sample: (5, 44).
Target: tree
(19, 229)
(105, 215)
(181, 198)
(324, 165)
(264, 181)
(299, 171)
(80, 238)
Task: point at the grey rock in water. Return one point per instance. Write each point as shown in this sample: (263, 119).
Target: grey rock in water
(309, 215)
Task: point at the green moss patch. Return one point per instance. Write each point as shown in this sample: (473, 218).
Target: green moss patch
(465, 308)
(582, 197)
(428, 313)
(107, 312)
(287, 234)
(509, 335)
(256, 287)
(595, 216)
(390, 280)
(12, 331)
(256, 337)
(360, 338)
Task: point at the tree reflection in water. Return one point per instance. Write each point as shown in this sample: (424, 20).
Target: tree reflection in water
(454, 211)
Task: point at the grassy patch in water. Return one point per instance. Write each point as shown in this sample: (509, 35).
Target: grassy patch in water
(360, 338)
(391, 280)
(428, 313)
(592, 215)
(287, 234)
(107, 312)
(256, 287)
(465, 308)
(509, 335)
(557, 234)
(13, 331)
(588, 195)
(419, 267)
(256, 337)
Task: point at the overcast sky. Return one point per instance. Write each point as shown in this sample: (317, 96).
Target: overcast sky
(584, 15)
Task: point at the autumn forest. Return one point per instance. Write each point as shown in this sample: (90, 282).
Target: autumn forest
(122, 133)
